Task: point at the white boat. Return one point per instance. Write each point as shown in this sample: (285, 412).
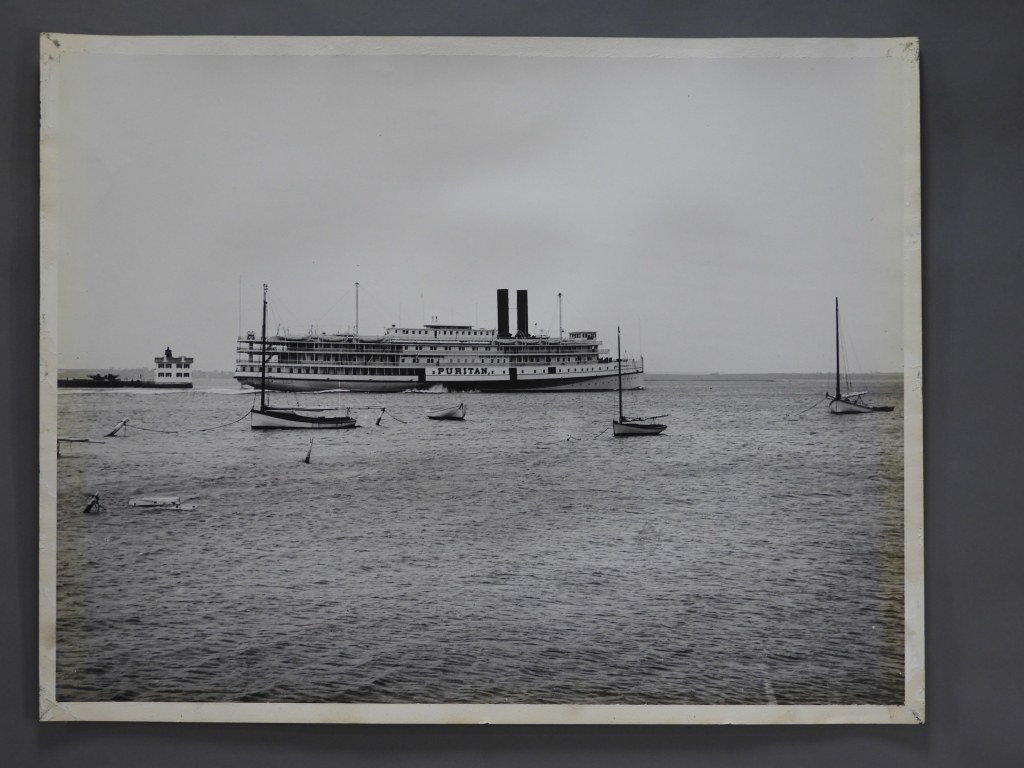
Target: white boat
(267, 417)
(851, 402)
(629, 427)
(454, 412)
(162, 502)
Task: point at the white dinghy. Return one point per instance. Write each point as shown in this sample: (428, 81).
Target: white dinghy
(451, 413)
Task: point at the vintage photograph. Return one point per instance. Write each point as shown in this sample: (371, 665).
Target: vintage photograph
(480, 380)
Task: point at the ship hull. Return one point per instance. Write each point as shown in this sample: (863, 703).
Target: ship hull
(492, 383)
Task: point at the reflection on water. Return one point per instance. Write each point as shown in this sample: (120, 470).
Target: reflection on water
(747, 555)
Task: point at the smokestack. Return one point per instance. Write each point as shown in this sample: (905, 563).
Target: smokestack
(503, 313)
(522, 314)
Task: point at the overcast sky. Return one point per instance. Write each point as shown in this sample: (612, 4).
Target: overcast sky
(714, 208)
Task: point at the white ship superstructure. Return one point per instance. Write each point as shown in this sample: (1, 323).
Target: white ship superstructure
(458, 357)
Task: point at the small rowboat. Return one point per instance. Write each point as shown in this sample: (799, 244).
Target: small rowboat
(163, 502)
(453, 413)
(154, 501)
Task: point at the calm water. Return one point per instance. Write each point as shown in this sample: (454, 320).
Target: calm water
(747, 555)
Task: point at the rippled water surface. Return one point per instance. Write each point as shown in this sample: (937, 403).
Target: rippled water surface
(747, 555)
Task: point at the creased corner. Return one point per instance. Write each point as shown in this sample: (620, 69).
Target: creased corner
(50, 710)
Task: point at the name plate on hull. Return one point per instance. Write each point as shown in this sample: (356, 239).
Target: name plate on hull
(463, 371)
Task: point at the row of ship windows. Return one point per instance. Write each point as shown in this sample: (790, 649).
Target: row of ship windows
(478, 349)
(365, 371)
(435, 348)
(513, 359)
(336, 371)
(173, 365)
(414, 332)
(162, 375)
(297, 349)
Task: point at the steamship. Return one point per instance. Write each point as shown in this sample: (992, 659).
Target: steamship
(456, 357)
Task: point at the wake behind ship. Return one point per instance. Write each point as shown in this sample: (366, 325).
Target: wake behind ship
(458, 357)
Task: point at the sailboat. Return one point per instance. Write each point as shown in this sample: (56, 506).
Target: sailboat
(851, 402)
(623, 427)
(266, 417)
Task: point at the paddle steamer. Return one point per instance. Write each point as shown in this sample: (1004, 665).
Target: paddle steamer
(457, 357)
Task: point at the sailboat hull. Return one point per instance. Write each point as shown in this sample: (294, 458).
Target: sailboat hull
(842, 406)
(636, 428)
(288, 420)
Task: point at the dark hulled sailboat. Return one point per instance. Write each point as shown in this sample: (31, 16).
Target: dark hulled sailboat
(266, 417)
(629, 427)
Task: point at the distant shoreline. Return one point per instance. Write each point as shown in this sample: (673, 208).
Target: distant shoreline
(761, 376)
(134, 373)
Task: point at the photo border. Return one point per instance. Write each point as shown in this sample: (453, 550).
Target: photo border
(53, 46)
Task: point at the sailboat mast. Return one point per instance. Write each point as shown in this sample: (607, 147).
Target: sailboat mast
(837, 347)
(618, 331)
(263, 354)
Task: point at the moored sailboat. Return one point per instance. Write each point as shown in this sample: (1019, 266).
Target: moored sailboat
(266, 417)
(630, 427)
(851, 402)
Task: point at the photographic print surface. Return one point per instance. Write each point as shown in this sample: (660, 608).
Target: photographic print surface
(469, 380)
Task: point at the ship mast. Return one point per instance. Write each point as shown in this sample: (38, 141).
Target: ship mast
(618, 331)
(837, 347)
(357, 309)
(263, 354)
(559, 316)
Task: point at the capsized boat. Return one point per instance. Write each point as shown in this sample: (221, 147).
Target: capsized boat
(851, 402)
(267, 417)
(628, 427)
(74, 440)
(453, 413)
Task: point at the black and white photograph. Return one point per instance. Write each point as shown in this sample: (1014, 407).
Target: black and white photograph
(459, 380)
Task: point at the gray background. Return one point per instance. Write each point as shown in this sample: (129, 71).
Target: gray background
(972, 113)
